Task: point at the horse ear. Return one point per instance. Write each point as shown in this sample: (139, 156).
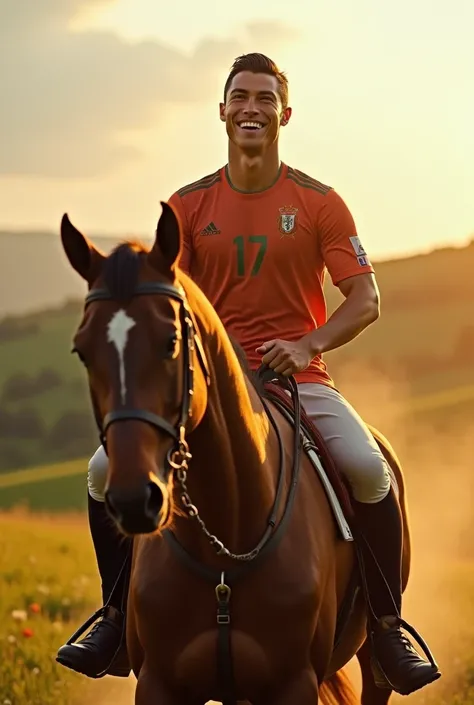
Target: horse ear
(167, 245)
(81, 253)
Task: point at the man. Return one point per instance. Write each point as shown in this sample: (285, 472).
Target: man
(258, 236)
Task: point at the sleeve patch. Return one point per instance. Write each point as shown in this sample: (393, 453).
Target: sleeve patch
(358, 248)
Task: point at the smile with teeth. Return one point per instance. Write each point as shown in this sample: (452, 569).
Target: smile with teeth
(251, 125)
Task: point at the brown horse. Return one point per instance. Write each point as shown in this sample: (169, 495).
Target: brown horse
(228, 516)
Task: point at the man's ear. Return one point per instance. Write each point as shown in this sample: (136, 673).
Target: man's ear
(285, 117)
(222, 111)
(82, 254)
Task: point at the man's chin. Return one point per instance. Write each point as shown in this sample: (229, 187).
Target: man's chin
(251, 144)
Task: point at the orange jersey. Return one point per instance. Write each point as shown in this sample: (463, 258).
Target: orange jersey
(261, 258)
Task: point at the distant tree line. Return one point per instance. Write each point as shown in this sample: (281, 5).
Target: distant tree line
(26, 438)
(23, 326)
(23, 386)
(14, 329)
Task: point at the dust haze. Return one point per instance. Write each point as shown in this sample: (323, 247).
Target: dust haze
(438, 469)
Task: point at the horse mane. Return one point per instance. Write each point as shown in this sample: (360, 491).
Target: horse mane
(244, 364)
(121, 272)
(122, 268)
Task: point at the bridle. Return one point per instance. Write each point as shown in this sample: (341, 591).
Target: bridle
(178, 458)
(178, 455)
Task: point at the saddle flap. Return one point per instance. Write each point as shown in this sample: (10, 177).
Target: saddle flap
(278, 395)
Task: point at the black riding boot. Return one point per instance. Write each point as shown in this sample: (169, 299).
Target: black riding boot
(395, 663)
(103, 651)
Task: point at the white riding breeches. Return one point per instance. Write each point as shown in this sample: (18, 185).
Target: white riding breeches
(349, 441)
(97, 474)
(352, 447)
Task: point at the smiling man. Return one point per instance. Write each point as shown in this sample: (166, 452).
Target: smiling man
(259, 236)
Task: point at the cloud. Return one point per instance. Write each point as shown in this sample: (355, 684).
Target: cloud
(69, 98)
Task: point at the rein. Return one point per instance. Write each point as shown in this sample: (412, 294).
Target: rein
(178, 459)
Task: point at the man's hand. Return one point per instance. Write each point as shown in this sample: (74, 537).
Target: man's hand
(286, 358)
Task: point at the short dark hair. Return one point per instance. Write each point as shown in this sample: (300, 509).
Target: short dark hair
(258, 63)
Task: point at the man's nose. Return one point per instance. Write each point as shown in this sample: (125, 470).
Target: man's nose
(250, 108)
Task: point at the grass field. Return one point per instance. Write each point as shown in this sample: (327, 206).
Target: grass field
(48, 585)
(48, 580)
(55, 488)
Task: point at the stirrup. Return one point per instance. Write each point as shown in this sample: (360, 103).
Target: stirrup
(419, 640)
(88, 623)
(82, 629)
(101, 611)
(400, 621)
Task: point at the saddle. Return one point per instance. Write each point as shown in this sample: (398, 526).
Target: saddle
(275, 390)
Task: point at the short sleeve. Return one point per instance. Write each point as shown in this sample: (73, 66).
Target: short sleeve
(341, 248)
(186, 250)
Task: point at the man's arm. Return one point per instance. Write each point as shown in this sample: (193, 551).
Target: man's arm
(351, 271)
(359, 309)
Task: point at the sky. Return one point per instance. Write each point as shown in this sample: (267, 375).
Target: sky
(109, 106)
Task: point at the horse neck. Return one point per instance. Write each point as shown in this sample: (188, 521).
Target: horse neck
(235, 460)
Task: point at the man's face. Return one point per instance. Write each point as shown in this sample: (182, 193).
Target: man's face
(253, 111)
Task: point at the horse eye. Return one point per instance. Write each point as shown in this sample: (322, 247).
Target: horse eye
(172, 346)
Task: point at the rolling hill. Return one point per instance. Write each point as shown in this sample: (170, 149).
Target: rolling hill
(55, 488)
(422, 343)
(35, 273)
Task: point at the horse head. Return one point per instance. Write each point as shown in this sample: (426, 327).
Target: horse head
(146, 368)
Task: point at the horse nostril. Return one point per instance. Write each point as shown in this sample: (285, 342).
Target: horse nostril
(137, 510)
(155, 499)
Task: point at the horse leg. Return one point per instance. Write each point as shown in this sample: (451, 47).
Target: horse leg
(150, 691)
(371, 695)
(134, 648)
(302, 690)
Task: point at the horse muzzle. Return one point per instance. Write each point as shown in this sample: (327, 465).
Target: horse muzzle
(137, 511)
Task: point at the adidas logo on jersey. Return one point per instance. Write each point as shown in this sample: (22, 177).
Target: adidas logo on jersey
(210, 230)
